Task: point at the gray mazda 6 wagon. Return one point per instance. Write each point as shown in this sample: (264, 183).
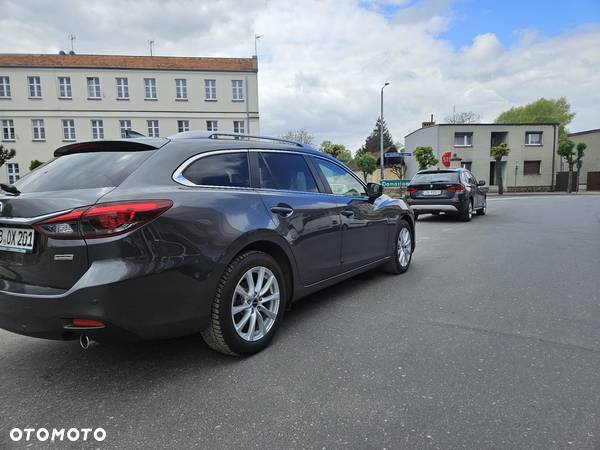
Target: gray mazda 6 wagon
(150, 238)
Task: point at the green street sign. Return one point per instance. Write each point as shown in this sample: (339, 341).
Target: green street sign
(394, 183)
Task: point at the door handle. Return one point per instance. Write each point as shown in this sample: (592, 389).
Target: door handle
(283, 211)
(347, 213)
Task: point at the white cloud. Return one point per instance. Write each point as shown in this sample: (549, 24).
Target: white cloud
(322, 63)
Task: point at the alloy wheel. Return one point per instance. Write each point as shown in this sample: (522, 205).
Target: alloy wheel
(404, 247)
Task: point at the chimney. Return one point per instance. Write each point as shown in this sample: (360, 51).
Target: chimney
(428, 124)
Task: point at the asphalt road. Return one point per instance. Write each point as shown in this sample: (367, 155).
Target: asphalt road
(490, 340)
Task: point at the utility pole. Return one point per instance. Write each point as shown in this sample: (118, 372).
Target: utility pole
(151, 46)
(72, 38)
(381, 134)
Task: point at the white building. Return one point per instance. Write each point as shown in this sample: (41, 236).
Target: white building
(47, 101)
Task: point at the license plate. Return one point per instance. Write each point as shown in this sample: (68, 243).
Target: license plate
(18, 240)
(431, 192)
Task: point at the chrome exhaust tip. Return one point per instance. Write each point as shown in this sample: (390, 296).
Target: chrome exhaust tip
(85, 342)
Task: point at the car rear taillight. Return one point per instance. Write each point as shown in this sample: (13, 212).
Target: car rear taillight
(411, 190)
(456, 188)
(87, 323)
(103, 219)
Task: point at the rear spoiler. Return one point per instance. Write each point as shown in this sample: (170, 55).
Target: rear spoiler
(117, 145)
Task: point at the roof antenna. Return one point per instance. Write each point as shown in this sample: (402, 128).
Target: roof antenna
(72, 38)
(151, 45)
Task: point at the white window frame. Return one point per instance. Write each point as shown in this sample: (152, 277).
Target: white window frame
(153, 128)
(68, 129)
(64, 88)
(12, 170)
(210, 90)
(122, 88)
(528, 141)
(97, 128)
(4, 86)
(34, 86)
(237, 128)
(38, 130)
(8, 130)
(93, 87)
(183, 125)
(124, 125)
(150, 89)
(181, 89)
(237, 90)
(210, 127)
(467, 139)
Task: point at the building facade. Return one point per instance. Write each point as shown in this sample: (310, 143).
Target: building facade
(530, 166)
(47, 101)
(589, 175)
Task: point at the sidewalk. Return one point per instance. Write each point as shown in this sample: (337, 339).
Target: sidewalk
(525, 194)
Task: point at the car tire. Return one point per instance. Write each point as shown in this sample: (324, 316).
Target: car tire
(230, 332)
(403, 250)
(467, 212)
(482, 211)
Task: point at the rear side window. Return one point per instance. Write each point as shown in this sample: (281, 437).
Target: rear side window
(435, 177)
(83, 171)
(228, 169)
(285, 171)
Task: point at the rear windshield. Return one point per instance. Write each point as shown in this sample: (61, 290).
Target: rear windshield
(83, 171)
(435, 177)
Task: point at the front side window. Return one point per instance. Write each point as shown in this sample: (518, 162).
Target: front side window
(463, 139)
(531, 167)
(229, 170)
(340, 180)
(238, 90)
(35, 87)
(181, 89)
(212, 125)
(150, 88)
(4, 87)
(183, 125)
(13, 172)
(38, 129)
(210, 89)
(153, 128)
(93, 84)
(285, 171)
(122, 88)
(533, 138)
(68, 126)
(124, 127)
(64, 87)
(8, 130)
(97, 129)
(238, 126)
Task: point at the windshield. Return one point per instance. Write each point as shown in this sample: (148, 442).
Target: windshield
(435, 177)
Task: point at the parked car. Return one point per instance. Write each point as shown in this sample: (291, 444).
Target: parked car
(451, 191)
(152, 238)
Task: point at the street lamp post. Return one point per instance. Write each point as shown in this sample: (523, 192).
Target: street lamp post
(381, 134)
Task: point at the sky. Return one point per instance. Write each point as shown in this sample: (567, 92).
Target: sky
(322, 62)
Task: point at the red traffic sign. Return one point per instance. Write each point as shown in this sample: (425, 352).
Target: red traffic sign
(446, 158)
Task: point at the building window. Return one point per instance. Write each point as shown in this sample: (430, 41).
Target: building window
(238, 126)
(97, 129)
(8, 130)
(122, 88)
(531, 167)
(238, 90)
(210, 89)
(183, 125)
(181, 89)
(68, 126)
(64, 87)
(124, 126)
(153, 128)
(93, 84)
(13, 172)
(4, 87)
(212, 125)
(39, 132)
(150, 88)
(533, 138)
(463, 139)
(466, 165)
(35, 87)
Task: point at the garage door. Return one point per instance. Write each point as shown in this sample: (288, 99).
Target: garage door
(593, 181)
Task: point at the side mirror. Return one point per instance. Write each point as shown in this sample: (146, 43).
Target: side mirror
(374, 190)
(481, 183)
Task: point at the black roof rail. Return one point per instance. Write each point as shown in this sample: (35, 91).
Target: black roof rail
(239, 136)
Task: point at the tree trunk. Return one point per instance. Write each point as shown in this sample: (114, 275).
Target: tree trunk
(570, 180)
(499, 180)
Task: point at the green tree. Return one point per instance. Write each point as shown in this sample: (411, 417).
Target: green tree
(566, 150)
(497, 153)
(35, 163)
(338, 151)
(366, 163)
(372, 142)
(6, 154)
(425, 157)
(541, 111)
(301, 135)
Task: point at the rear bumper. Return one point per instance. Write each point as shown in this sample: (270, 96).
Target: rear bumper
(131, 305)
(435, 207)
(450, 205)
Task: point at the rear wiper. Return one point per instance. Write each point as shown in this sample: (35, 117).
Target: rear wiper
(9, 188)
